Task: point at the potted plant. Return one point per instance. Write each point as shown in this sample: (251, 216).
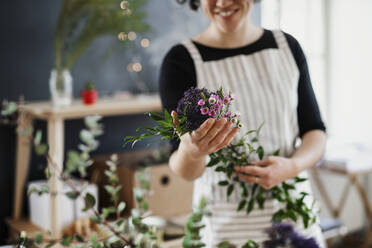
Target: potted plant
(89, 95)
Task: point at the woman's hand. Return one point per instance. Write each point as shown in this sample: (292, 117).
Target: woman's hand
(211, 136)
(268, 172)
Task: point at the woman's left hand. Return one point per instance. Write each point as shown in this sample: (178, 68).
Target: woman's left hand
(268, 172)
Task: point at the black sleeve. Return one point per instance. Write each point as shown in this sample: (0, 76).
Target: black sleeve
(177, 74)
(309, 117)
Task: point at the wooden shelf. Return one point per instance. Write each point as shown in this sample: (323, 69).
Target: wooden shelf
(104, 107)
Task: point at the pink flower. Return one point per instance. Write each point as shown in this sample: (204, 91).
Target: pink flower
(227, 115)
(201, 102)
(219, 102)
(217, 107)
(226, 100)
(204, 111)
(212, 99)
(212, 113)
(237, 114)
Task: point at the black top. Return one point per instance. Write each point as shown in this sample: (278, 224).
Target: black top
(178, 74)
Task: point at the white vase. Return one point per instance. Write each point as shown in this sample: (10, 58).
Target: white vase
(61, 88)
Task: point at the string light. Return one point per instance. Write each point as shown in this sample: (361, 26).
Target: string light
(137, 67)
(145, 42)
(124, 4)
(130, 67)
(132, 36)
(122, 36)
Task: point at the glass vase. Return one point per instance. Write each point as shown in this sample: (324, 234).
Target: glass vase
(60, 84)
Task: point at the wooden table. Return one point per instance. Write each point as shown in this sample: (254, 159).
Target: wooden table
(353, 180)
(55, 117)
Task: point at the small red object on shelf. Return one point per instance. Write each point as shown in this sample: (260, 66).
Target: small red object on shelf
(89, 95)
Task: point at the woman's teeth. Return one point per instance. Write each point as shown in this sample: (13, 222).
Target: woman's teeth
(226, 13)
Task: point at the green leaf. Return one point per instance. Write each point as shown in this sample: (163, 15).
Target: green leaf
(223, 183)
(47, 173)
(300, 179)
(250, 244)
(254, 140)
(250, 206)
(220, 169)
(41, 149)
(66, 241)
(37, 138)
(259, 129)
(96, 219)
(276, 153)
(90, 201)
(260, 152)
(72, 195)
(242, 204)
(213, 162)
(79, 238)
(121, 207)
(38, 238)
(224, 244)
(230, 189)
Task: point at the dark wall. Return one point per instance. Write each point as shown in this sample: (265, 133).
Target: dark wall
(26, 59)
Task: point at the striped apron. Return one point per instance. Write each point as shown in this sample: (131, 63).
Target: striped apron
(265, 84)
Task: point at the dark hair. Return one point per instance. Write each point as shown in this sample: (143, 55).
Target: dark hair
(194, 4)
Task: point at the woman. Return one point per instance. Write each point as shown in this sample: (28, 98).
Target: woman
(267, 71)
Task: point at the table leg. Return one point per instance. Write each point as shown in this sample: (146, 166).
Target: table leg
(56, 152)
(24, 135)
(367, 208)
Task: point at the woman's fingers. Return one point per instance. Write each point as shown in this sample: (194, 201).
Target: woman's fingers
(248, 178)
(174, 115)
(228, 138)
(212, 133)
(221, 134)
(202, 131)
(251, 170)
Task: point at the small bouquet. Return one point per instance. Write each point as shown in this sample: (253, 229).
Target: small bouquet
(195, 107)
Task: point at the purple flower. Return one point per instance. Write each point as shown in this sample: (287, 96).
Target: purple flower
(212, 113)
(217, 107)
(226, 100)
(201, 102)
(212, 100)
(204, 110)
(227, 115)
(283, 234)
(188, 105)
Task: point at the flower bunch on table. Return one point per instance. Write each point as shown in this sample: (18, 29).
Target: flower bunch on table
(193, 109)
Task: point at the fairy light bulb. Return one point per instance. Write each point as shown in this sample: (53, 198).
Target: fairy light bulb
(132, 36)
(145, 42)
(122, 36)
(137, 67)
(130, 67)
(124, 4)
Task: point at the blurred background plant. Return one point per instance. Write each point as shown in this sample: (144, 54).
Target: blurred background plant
(80, 22)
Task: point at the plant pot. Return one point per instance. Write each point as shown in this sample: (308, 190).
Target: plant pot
(89, 96)
(60, 85)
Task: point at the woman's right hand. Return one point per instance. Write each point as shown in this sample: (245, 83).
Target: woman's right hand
(210, 137)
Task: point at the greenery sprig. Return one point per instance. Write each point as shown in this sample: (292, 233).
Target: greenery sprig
(241, 153)
(123, 232)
